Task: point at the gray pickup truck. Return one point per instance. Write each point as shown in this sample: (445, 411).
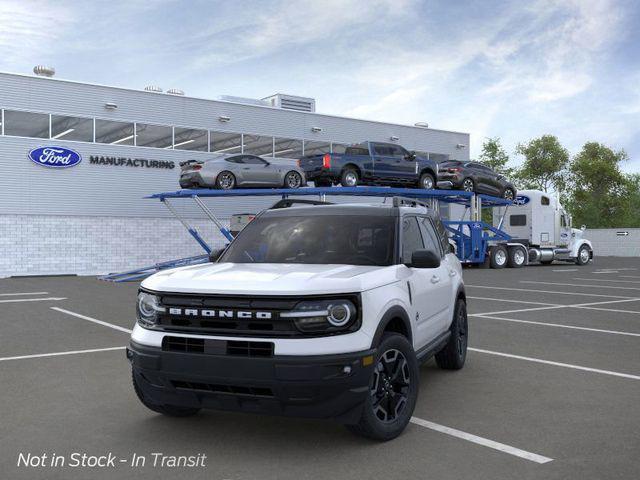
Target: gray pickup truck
(371, 163)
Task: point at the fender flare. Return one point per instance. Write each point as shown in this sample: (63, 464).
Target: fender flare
(578, 244)
(395, 311)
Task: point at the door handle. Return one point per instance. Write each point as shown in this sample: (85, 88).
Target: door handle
(452, 273)
(435, 279)
(246, 168)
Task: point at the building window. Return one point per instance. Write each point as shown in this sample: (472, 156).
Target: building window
(226, 142)
(258, 145)
(115, 133)
(190, 139)
(26, 124)
(338, 147)
(157, 136)
(71, 128)
(287, 148)
(316, 148)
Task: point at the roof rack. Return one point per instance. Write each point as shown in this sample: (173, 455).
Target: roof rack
(290, 202)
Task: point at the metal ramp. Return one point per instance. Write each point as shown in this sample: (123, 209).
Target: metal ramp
(471, 237)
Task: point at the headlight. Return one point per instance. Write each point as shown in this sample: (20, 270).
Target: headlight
(323, 316)
(148, 307)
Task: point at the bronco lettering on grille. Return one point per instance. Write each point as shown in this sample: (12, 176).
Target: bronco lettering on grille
(241, 314)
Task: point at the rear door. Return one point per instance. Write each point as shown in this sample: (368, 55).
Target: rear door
(383, 160)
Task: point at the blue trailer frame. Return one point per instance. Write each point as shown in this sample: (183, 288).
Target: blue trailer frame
(472, 237)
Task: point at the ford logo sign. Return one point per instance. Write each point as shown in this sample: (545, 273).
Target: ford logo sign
(55, 157)
(521, 200)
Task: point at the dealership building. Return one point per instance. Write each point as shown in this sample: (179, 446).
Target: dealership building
(92, 218)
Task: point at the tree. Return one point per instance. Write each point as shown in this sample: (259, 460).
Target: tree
(494, 156)
(600, 195)
(545, 164)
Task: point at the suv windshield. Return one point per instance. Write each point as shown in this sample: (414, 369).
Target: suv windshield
(340, 239)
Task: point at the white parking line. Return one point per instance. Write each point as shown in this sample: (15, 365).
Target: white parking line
(605, 280)
(485, 442)
(511, 301)
(57, 354)
(566, 270)
(94, 320)
(588, 306)
(629, 276)
(27, 293)
(556, 364)
(559, 325)
(48, 299)
(547, 291)
(581, 285)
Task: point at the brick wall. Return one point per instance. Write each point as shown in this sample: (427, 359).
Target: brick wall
(51, 245)
(609, 241)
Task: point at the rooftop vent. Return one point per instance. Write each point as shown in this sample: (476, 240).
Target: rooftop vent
(153, 88)
(175, 91)
(291, 102)
(43, 71)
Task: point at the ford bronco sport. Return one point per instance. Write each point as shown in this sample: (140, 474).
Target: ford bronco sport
(321, 311)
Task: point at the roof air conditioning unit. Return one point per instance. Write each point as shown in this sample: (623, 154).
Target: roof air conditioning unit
(292, 102)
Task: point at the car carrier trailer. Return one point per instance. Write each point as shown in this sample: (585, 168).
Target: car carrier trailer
(475, 241)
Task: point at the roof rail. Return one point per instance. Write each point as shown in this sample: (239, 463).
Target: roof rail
(409, 202)
(290, 202)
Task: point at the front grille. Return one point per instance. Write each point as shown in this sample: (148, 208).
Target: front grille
(217, 347)
(228, 389)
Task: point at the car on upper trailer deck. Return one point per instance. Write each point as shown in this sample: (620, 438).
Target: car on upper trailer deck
(474, 177)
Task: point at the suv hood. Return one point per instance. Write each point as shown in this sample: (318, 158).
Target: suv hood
(271, 279)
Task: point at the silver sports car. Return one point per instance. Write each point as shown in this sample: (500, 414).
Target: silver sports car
(241, 170)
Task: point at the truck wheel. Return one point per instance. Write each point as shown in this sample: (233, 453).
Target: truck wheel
(517, 257)
(584, 255)
(427, 182)
(169, 410)
(454, 353)
(349, 178)
(225, 180)
(499, 256)
(468, 185)
(393, 390)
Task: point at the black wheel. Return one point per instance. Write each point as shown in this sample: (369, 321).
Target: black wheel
(349, 178)
(584, 255)
(427, 181)
(517, 257)
(508, 194)
(225, 180)
(293, 180)
(169, 410)
(499, 256)
(454, 353)
(322, 183)
(393, 390)
(468, 185)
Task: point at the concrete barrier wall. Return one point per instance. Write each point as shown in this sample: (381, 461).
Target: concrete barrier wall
(614, 242)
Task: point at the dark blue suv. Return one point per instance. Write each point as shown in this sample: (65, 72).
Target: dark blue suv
(371, 163)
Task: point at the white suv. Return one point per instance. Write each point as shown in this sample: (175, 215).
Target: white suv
(321, 311)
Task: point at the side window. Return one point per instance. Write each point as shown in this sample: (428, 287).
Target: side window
(397, 151)
(544, 200)
(253, 160)
(430, 237)
(517, 220)
(382, 149)
(442, 235)
(411, 238)
(237, 159)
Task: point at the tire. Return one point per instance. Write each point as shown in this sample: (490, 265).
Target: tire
(398, 391)
(584, 255)
(292, 180)
(499, 256)
(169, 410)
(454, 353)
(508, 194)
(468, 185)
(517, 257)
(349, 177)
(225, 180)
(427, 182)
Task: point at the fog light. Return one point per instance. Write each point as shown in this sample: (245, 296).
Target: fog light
(368, 360)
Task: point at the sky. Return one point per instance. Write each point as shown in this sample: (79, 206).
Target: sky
(509, 69)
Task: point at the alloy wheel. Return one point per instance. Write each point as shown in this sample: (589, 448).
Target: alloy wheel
(293, 180)
(462, 331)
(467, 185)
(226, 181)
(390, 387)
(508, 194)
(518, 256)
(351, 179)
(427, 182)
(584, 255)
(501, 257)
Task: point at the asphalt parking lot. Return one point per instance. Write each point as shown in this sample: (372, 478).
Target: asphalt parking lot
(551, 390)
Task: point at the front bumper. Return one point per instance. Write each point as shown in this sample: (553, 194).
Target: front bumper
(323, 386)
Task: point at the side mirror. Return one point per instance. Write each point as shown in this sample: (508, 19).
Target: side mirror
(424, 259)
(215, 255)
(410, 156)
